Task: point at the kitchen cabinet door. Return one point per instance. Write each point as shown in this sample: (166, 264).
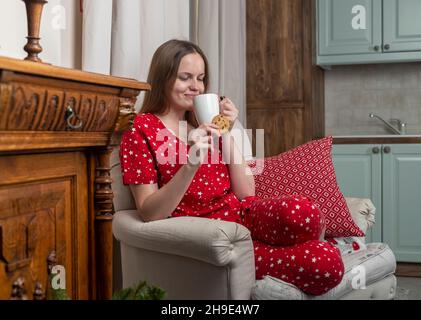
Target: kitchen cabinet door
(401, 25)
(358, 172)
(402, 200)
(349, 26)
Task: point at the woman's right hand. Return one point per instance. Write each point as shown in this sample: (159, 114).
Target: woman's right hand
(201, 141)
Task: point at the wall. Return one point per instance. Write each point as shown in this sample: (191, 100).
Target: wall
(60, 31)
(388, 90)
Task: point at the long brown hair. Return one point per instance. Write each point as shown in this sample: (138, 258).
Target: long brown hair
(163, 73)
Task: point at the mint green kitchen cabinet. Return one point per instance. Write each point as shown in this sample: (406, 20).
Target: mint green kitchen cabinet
(368, 31)
(402, 25)
(402, 200)
(343, 32)
(390, 175)
(358, 170)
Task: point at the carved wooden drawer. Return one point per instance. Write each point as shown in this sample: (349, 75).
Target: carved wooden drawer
(58, 128)
(27, 105)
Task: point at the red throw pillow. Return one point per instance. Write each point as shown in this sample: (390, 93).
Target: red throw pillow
(308, 170)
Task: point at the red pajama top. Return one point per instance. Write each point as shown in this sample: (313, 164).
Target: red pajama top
(150, 153)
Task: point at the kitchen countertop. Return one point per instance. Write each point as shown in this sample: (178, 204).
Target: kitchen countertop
(376, 139)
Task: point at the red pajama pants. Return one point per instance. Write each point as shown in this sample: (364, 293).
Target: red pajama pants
(286, 233)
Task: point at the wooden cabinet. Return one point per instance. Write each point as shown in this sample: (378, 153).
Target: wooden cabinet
(57, 130)
(285, 90)
(390, 175)
(44, 208)
(368, 31)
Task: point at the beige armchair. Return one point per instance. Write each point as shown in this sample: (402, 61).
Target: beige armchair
(196, 258)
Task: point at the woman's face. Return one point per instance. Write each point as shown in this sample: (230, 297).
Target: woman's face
(188, 83)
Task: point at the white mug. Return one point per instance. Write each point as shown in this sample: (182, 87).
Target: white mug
(206, 107)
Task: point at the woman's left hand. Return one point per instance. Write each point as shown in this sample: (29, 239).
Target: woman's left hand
(228, 109)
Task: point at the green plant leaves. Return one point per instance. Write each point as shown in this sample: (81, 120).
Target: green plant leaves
(141, 291)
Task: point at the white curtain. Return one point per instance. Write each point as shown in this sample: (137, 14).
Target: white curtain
(96, 36)
(162, 20)
(219, 28)
(120, 37)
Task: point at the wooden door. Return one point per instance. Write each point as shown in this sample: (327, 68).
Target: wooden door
(284, 88)
(44, 208)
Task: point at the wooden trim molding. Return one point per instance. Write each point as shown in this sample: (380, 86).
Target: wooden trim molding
(30, 140)
(50, 71)
(377, 140)
(408, 269)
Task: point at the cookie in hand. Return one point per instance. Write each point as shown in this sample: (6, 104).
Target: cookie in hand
(222, 122)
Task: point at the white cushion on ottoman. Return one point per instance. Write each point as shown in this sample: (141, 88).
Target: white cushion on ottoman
(375, 264)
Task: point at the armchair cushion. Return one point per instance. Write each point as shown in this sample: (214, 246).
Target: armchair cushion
(362, 211)
(123, 199)
(369, 271)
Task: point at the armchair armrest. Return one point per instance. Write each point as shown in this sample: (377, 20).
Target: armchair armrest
(362, 212)
(190, 257)
(212, 241)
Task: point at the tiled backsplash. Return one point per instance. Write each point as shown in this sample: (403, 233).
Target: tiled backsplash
(387, 90)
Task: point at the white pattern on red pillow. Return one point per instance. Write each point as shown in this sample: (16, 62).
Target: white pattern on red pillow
(308, 170)
(348, 245)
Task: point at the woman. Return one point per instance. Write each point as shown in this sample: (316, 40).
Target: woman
(285, 230)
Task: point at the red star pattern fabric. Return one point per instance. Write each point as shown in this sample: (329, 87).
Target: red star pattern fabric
(314, 266)
(285, 229)
(308, 170)
(293, 220)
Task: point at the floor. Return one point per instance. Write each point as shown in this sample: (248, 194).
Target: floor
(408, 288)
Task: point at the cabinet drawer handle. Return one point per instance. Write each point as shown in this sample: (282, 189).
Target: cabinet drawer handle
(376, 150)
(386, 150)
(69, 115)
(386, 46)
(376, 48)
